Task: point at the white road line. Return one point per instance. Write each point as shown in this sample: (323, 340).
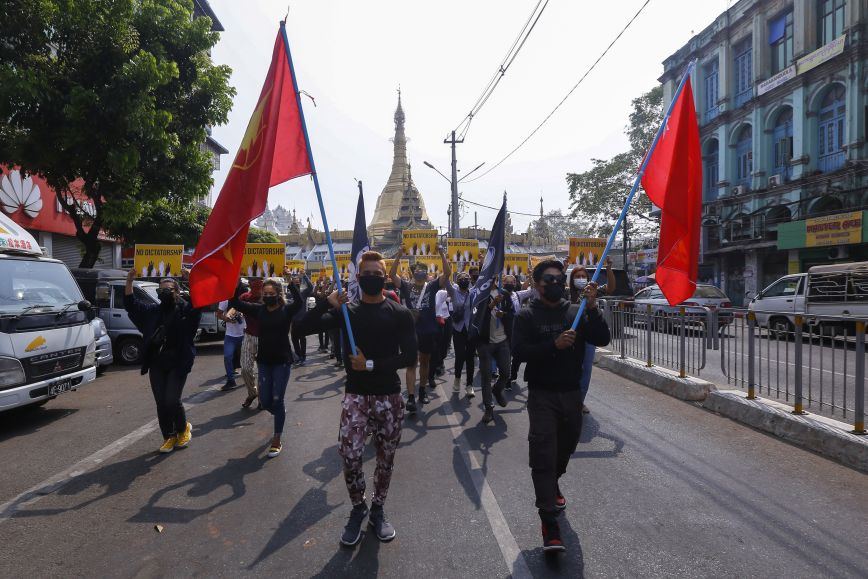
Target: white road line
(58, 481)
(512, 555)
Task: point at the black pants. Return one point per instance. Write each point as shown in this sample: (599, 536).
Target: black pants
(167, 386)
(323, 339)
(441, 348)
(515, 364)
(555, 427)
(464, 354)
(299, 344)
(336, 338)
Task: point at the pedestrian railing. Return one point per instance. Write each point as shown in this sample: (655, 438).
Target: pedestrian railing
(675, 338)
(816, 363)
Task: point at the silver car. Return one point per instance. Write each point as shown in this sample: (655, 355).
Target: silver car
(104, 354)
(705, 296)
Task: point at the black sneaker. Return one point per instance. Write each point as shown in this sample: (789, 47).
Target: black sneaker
(383, 528)
(508, 386)
(498, 395)
(423, 396)
(230, 385)
(488, 416)
(353, 530)
(551, 533)
(411, 404)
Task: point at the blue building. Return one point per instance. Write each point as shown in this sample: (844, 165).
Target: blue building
(781, 95)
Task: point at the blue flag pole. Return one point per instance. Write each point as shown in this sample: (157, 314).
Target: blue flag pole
(633, 190)
(322, 212)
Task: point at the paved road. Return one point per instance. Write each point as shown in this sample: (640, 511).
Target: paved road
(657, 488)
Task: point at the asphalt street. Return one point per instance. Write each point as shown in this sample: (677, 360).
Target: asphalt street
(657, 488)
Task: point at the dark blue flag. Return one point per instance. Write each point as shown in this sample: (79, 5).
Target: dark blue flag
(360, 246)
(491, 269)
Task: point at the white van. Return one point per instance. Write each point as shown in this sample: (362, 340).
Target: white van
(47, 344)
(826, 290)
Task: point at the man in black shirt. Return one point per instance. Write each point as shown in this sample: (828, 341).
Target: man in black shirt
(554, 353)
(385, 341)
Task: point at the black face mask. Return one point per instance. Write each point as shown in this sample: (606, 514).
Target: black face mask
(473, 279)
(372, 285)
(553, 292)
(464, 283)
(269, 300)
(166, 297)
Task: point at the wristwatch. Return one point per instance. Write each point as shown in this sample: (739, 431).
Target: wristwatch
(369, 365)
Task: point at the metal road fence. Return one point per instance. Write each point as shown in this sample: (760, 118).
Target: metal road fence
(816, 364)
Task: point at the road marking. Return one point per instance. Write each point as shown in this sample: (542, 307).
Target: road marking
(512, 555)
(58, 481)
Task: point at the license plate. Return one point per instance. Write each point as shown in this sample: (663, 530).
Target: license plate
(60, 387)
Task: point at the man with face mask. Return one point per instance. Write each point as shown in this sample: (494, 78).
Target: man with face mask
(385, 342)
(419, 296)
(168, 330)
(464, 353)
(554, 353)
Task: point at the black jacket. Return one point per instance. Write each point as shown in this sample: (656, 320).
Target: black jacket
(508, 309)
(181, 323)
(533, 341)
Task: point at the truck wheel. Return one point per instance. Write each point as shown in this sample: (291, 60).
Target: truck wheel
(781, 328)
(130, 350)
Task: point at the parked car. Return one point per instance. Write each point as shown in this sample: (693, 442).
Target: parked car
(705, 296)
(104, 354)
(825, 290)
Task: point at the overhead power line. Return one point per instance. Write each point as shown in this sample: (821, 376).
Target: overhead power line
(507, 61)
(563, 100)
(497, 208)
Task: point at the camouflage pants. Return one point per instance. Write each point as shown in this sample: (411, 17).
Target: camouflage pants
(382, 416)
(249, 347)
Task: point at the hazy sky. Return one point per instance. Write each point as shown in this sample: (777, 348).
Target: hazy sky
(351, 56)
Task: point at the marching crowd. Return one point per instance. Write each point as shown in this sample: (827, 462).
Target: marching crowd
(396, 324)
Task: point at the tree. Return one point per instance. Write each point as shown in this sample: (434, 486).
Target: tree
(169, 223)
(598, 194)
(256, 235)
(557, 227)
(108, 101)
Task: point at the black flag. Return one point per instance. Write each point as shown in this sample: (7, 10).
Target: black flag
(360, 246)
(491, 268)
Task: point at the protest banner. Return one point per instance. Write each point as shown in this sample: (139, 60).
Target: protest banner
(515, 264)
(537, 259)
(586, 250)
(403, 267)
(433, 263)
(419, 242)
(153, 260)
(343, 260)
(263, 259)
(295, 266)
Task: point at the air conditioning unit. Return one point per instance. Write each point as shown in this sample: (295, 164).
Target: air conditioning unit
(839, 252)
(776, 180)
(739, 190)
(710, 210)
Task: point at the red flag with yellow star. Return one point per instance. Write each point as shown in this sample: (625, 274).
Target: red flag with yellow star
(273, 151)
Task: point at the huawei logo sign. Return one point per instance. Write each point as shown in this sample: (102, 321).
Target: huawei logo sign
(17, 192)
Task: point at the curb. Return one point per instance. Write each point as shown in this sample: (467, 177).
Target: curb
(662, 379)
(822, 435)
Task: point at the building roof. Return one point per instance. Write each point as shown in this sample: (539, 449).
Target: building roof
(203, 8)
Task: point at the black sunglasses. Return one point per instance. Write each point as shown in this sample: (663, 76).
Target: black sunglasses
(550, 278)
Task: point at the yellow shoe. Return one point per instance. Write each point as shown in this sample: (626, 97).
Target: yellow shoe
(184, 438)
(169, 445)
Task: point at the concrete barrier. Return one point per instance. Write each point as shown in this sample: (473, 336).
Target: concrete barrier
(823, 435)
(661, 379)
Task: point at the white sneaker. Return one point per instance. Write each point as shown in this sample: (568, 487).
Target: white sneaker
(469, 392)
(456, 386)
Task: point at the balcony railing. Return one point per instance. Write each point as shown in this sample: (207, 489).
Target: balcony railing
(711, 114)
(743, 97)
(833, 162)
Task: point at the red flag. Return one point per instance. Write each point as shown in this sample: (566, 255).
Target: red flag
(273, 151)
(673, 181)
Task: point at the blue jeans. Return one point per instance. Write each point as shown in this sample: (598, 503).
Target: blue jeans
(273, 379)
(587, 366)
(230, 345)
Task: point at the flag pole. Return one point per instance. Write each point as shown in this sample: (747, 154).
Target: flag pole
(633, 190)
(325, 223)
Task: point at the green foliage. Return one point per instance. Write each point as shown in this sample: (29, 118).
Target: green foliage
(598, 194)
(170, 223)
(256, 235)
(557, 228)
(116, 93)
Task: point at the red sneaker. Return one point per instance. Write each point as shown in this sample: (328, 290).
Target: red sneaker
(560, 501)
(551, 533)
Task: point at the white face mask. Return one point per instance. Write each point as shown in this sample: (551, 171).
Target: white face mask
(580, 282)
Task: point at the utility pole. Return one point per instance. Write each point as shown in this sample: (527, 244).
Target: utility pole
(475, 226)
(454, 226)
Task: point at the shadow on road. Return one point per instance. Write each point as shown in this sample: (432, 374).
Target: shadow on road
(590, 432)
(570, 564)
(365, 564)
(30, 419)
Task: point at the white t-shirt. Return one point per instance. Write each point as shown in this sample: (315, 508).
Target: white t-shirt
(233, 329)
(441, 301)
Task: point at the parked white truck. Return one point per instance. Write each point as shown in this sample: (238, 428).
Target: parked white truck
(47, 344)
(826, 290)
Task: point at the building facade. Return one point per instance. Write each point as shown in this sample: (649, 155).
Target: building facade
(780, 93)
